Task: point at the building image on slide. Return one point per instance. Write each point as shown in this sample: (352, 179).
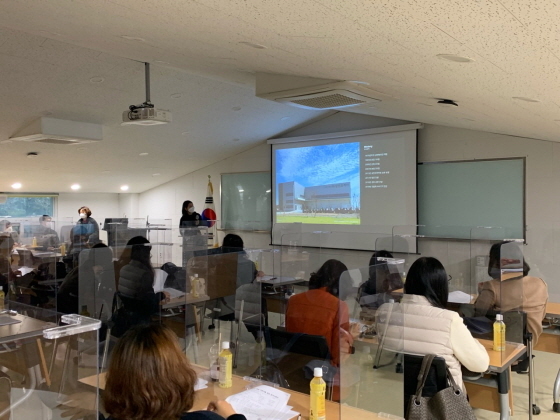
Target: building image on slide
(330, 198)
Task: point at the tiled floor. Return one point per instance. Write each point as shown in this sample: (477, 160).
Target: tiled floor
(381, 390)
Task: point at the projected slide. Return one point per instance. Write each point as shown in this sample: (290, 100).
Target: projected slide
(318, 184)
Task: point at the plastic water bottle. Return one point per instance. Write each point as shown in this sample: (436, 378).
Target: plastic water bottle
(499, 333)
(226, 366)
(318, 388)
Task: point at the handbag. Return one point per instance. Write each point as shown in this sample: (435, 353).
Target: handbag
(448, 404)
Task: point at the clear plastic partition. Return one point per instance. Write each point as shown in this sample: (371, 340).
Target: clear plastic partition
(369, 377)
(509, 292)
(93, 282)
(482, 239)
(47, 368)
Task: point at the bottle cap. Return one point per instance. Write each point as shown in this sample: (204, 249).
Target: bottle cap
(225, 345)
(499, 317)
(196, 275)
(318, 372)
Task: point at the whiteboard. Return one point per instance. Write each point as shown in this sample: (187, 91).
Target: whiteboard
(246, 201)
(470, 194)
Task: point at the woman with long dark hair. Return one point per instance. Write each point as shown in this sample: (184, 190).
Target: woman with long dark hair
(421, 325)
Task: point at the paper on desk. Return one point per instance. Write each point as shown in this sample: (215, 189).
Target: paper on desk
(173, 293)
(200, 384)
(262, 402)
(459, 297)
(25, 270)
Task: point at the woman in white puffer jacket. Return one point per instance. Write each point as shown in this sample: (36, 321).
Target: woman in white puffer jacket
(421, 325)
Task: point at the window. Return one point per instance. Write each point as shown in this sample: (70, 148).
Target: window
(27, 206)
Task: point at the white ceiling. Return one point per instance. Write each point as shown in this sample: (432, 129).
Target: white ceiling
(49, 51)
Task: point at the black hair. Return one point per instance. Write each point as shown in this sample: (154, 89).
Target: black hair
(373, 262)
(428, 278)
(232, 243)
(495, 256)
(140, 251)
(45, 218)
(328, 276)
(185, 207)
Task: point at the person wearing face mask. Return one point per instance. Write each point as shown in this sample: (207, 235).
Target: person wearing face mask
(6, 227)
(85, 234)
(188, 227)
(46, 236)
(190, 217)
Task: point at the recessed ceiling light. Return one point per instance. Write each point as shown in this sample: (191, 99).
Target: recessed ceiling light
(360, 82)
(525, 99)
(133, 38)
(124, 188)
(162, 62)
(75, 187)
(143, 154)
(236, 108)
(455, 58)
(284, 118)
(254, 45)
(235, 140)
(32, 155)
(184, 133)
(97, 80)
(16, 186)
(176, 95)
(156, 174)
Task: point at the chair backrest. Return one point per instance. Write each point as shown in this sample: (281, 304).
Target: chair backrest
(65, 233)
(304, 344)
(436, 381)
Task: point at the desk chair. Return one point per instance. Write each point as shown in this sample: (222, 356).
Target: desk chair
(436, 381)
(294, 353)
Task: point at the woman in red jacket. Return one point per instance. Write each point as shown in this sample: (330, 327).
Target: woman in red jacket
(319, 311)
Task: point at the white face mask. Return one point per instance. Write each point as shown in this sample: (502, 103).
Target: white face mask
(83, 215)
(191, 209)
(9, 229)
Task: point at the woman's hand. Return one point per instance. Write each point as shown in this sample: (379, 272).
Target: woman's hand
(222, 408)
(260, 273)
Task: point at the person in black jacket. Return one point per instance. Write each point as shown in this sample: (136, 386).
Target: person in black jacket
(135, 288)
(190, 217)
(149, 377)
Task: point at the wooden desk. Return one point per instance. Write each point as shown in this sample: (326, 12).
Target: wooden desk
(549, 341)
(480, 395)
(299, 401)
(188, 299)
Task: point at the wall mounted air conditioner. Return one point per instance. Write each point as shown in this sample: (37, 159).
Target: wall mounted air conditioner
(312, 93)
(55, 131)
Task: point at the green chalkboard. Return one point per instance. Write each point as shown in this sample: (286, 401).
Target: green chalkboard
(470, 194)
(246, 201)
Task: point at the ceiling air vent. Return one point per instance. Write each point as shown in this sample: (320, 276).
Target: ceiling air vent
(61, 132)
(337, 95)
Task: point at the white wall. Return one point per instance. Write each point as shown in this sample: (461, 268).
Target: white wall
(435, 143)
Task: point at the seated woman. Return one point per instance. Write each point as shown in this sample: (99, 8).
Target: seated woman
(421, 325)
(381, 281)
(135, 288)
(527, 293)
(319, 311)
(149, 377)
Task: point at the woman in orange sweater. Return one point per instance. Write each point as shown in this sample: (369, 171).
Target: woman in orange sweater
(319, 311)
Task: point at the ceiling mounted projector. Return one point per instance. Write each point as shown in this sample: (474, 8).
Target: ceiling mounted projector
(146, 113)
(62, 132)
